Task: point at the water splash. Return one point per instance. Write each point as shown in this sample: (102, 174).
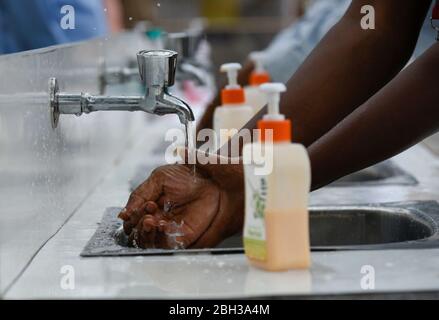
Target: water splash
(175, 230)
(167, 206)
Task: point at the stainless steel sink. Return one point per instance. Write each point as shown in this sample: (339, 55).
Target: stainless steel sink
(384, 173)
(405, 225)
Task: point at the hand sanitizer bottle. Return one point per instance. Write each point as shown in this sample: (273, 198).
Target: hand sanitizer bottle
(255, 97)
(277, 184)
(234, 113)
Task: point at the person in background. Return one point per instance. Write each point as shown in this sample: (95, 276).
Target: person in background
(27, 25)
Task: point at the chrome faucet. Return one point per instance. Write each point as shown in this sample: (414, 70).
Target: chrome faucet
(185, 43)
(157, 73)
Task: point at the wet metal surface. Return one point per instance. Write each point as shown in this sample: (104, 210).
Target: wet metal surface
(408, 225)
(109, 241)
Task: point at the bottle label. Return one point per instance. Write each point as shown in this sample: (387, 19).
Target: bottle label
(255, 202)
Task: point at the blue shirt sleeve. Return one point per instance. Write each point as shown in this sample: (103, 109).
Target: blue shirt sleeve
(26, 25)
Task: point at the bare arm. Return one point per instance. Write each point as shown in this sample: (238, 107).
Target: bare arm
(402, 114)
(350, 65)
(345, 70)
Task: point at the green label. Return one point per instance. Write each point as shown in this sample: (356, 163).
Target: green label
(255, 249)
(255, 203)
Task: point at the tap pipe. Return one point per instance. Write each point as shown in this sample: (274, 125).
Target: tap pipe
(85, 103)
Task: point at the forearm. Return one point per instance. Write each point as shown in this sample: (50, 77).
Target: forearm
(400, 115)
(350, 65)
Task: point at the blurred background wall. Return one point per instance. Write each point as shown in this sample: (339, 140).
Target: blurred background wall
(233, 27)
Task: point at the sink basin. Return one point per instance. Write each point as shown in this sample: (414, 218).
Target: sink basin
(373, 227)
(404, 225)
(384, 173)
(354, 226)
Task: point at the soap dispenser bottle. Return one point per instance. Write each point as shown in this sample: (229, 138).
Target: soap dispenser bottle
(234, 113)
(255, 97)
(276, 231)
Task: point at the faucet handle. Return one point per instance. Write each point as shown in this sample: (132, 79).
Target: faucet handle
(157, 67)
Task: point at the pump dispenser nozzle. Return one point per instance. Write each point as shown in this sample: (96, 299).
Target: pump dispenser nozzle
(232, 74)
(274, 120)
(256, 57)
(233, 92)
(273, 91)
(259, 75)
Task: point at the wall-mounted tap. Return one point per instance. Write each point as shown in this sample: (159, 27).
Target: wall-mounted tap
(157, 73)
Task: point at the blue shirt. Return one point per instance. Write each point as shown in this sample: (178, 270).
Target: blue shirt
(31, 24)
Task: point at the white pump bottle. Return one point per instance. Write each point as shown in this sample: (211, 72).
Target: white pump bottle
(255, 97)
(234, 113)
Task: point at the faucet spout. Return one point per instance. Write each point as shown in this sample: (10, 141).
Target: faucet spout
(168, 104)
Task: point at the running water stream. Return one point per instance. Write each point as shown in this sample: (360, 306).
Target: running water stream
(190, 144)
(175, 229)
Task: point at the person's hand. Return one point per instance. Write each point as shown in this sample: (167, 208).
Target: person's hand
(186, 206)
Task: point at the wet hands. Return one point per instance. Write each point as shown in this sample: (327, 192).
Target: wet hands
(179, 207)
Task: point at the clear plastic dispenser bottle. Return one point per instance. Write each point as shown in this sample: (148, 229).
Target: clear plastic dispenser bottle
(277, 185)
(234, 113)
(255, 97)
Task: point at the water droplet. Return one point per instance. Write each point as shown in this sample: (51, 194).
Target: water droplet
(167, 207)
